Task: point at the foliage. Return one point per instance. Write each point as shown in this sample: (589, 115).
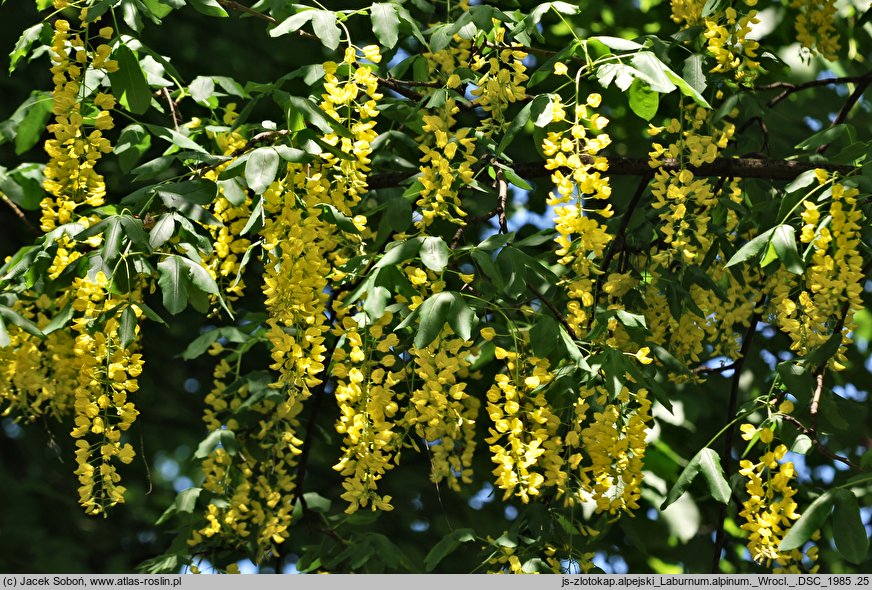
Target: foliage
(369, 284)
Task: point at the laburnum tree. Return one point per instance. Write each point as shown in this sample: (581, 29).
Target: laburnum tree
(460, 286)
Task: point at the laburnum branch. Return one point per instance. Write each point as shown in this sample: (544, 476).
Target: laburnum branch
(790, 88)
(821, 447)
(560, 317)
(625, 166)
(727, 458)
(862, 84)
(19, 213)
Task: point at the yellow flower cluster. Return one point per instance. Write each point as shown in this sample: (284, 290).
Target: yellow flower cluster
(727, 39)
(446, 166)
(524, 440)
(614, 442)
(228, 243)
(502, 82)
(684, 199)
(770, 509)
(38, 376)
(447, 151)
(815, 27)
(107, 375)
(581, 238)
(367, 406)
(688, 12)
(440, 411)
(70, 177)
(254, 487)
(831, 288)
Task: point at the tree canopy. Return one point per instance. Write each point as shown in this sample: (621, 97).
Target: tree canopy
(469, 286)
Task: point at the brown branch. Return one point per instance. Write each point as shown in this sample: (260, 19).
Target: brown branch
(624, 166)
(19, 213)
(247, 10)
(401, 87)
(816, 399)
(721, 369)
(172, 105)
(792, 88)
(458, 235)
(502, 196)
(812, 434)
(727, 458)
(862, 84)
(560, 317)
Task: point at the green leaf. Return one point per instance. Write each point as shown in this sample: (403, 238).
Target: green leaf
(811, 520)
(128, 83)
(446, 546)
(617, 43)
(4, 335)
(199, 276)
(513, 177)
(751, 249)
(827, 136)
(385, 23)
(518, 123)
(185, 502)
(13, 317)
(25, 42)
(797, 380)
(434, 253)
(461, 318)
(643, 101)
(201, 343)
(693, 72)
(225, 438)
(127, 327)
(801, 445)
(261, 169)
(825, 351)
(172, 283)
(784, 242)
(338, 218)
(685, 88)
(542, 336)
(325, 27)
(432, 315)
(209, 8)
(132, 144)
(400, 252)
(709, 463)
(202, 89)
(293, 23)
(175, 138)
(653, 71)
(35, 112)
(23, 185)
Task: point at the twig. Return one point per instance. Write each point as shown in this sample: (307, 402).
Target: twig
(721, 369)
(862, 84)
(727, 459)
(247, 10)
(625, 166)
(560, 317)
(502, 195)
(172, 105)
(812, 434)
(458, 235)
(792, 88)
(816, 399)
(19, 213)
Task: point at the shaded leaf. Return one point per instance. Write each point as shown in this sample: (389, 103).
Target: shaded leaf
(811, 520)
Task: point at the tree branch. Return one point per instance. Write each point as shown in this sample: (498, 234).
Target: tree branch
(812, 434)
(624, 166)
(862, 84)
(792, 88)
(19, 213)
(560, 317)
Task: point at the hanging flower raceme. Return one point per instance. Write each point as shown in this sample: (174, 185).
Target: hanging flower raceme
(770, 509)
(367, 407)
(501, 82)
(524, 440)
(38, 375)
(108, 372)
(829, 292)
(816, 27)
(726, 33)
(577, 174)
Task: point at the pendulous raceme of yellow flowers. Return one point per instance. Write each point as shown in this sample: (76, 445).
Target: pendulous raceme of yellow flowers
(107, 375)
(825, 298)
(815, 27)
(578, 179)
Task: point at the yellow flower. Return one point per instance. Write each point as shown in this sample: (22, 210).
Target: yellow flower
(642, 356)
(766, 435)
(372, 53)
(488, 333)
(786, 407)
(560, 69)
